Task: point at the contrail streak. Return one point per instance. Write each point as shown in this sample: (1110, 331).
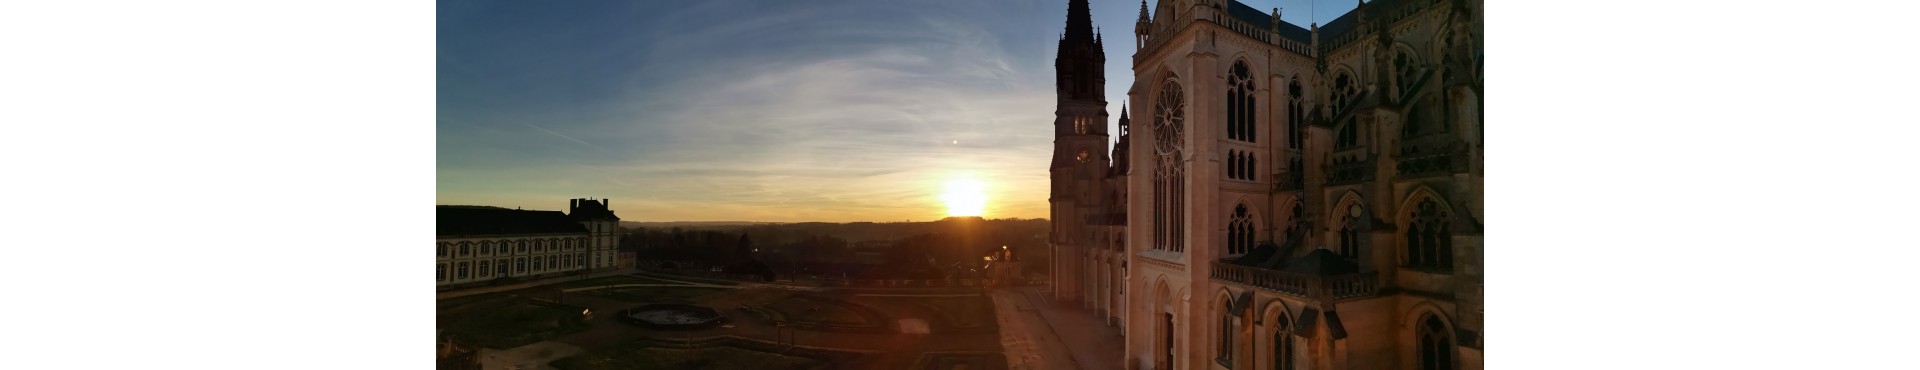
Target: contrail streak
(566, 137)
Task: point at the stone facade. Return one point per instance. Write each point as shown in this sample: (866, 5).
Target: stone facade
(1301, 198)
(479, 244)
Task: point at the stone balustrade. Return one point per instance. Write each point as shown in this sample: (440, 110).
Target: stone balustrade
(1322, 288)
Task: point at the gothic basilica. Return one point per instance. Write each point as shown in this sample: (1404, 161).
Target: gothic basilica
(1295, 198)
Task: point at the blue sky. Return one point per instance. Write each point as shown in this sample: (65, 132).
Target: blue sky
(834, 110)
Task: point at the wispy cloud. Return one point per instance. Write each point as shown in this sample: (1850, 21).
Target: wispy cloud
(734, 110)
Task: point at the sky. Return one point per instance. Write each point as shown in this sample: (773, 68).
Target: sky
(779, 111)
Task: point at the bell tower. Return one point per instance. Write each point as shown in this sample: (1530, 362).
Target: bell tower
(1079, 147)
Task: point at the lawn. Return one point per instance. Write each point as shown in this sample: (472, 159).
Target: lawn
(699, 358)
(651, 293)
(613, 280)
(822, 310)
(444, 304)
(690, 279)
(516, 325)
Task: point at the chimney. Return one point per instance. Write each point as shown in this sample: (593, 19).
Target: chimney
(606, 203)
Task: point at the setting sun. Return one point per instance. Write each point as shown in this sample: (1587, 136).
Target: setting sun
(965, 197)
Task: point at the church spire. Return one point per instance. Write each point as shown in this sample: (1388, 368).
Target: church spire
(1141, 27)
(1079, 22)
(1079, 62)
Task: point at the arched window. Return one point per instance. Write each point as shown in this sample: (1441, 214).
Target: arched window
(520, 265)
(566, 261)
(1233, 163)
(461, 271)
(1169, 175)
(1349, 134)
(1435, 345)
(1282, 343)
(443, 250)
(521, 247)
(1226, 336)
(1406, 68)
(1428, 238)
(1252, 168)
(1350, 233)
(485, 248)
(1295, 114)
(502, 266)
(440, 272)
(1239, 231)
(1299, 217)
(1410, 125)
(1346, 90)
(553, 262)
(1164, 359)
(1240, 165)
(503, 247)
(465, 249)
(1240, 103)
(484, 269)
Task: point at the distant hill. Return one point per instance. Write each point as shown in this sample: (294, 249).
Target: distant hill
(691, 224)
(946, 241)
(471, 207)
(853, 231)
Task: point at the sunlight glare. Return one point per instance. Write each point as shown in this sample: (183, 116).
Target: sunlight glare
(965, 197)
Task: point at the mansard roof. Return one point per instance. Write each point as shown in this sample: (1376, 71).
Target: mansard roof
(478, 220)
(584, 209)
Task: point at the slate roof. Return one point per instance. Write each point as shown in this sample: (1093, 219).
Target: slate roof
(1266, 255)
(1248, 14)
(1322, 262)
(1331, 30)
(471, 220)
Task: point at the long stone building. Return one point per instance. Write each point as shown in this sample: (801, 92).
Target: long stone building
(479, 244)
(1303, 198)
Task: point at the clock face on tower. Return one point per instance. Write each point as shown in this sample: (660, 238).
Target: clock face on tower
(1083, 156)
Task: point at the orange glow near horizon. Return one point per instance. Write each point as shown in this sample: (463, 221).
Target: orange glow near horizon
(965, 196)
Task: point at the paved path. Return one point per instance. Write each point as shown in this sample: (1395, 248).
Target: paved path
(1025, 337)
(528, 357)
(1094, 345)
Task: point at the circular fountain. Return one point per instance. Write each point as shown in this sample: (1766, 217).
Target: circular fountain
(673, 316)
